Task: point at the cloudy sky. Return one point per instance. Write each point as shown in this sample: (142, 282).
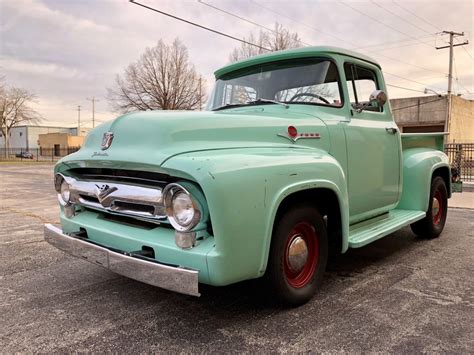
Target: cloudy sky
(66, 51)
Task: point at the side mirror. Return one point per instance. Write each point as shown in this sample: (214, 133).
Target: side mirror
(378, 96)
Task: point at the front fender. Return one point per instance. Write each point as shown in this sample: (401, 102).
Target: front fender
(243, 189)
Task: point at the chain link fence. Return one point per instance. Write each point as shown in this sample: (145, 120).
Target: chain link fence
(35, 154)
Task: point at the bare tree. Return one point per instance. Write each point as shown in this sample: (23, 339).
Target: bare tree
(15, 109)
(278, 39)
(161, 79)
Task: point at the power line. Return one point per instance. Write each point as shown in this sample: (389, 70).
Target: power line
(301, 23)
(394, 42)
(397, 46)
(243, 41)
(404, 88)
(400, 17)
(200, 26)
(413, 81)
(465, 49)
(418, 17)
(406, 63)
(419, 104)
(378, 21)
(457, 78)
(234, 15)
(246, 20)
(340, 39)
(451, 46)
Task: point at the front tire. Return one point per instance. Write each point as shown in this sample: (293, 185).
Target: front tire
(298, 255)
(432, 225)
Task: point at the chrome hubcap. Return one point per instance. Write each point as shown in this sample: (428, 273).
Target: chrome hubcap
(435, 207)
(297, 254)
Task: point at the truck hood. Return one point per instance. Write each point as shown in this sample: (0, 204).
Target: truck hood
(152, 137)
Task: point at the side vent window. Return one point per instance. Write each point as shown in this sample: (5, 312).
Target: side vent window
(361, 82)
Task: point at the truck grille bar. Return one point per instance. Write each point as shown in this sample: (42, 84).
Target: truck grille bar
(118, 198)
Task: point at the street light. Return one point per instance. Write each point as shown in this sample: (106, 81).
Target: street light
(428, 90)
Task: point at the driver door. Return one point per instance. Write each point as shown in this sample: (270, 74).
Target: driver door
(373, 148)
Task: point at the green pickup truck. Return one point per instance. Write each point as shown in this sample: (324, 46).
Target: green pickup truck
(297, 155)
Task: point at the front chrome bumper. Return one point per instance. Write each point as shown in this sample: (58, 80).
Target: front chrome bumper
(168, 277)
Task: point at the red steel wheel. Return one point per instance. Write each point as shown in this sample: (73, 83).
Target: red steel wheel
(437, 207)
(298, 255)
(432, 225)
(301, 254)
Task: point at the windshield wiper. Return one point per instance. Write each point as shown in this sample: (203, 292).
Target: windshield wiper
(228, 106)
(258, 101)
(253, 102)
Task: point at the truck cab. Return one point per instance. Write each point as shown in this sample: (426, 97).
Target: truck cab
(296, 154)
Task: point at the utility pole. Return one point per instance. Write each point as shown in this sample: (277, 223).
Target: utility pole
(6, 139)
(94, 100)
(200, 93)
(452, 35)
(79, 120)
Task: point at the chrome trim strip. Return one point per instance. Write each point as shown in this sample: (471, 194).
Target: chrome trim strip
(175, 279)
(110, 194)
(300, 136)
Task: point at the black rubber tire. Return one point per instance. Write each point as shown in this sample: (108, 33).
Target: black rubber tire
(278, 287)
(426, 227)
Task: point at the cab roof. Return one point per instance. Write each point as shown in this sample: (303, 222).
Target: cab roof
(291, 54)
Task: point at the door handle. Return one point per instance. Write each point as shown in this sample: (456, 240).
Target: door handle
(391, 130)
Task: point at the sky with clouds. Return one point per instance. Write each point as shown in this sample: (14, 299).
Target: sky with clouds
(66, 51)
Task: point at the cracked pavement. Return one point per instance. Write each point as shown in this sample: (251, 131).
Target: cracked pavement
(399, 294)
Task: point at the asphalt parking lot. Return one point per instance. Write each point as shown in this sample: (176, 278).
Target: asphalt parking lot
(399, 294)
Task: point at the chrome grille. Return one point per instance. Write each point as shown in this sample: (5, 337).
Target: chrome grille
(122, 175)
(118, 198)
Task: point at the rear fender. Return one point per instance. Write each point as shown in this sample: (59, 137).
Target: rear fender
(419, 165)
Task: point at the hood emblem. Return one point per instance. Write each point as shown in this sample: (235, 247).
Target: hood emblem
(293, 134)
(102, 191)
(107, 139)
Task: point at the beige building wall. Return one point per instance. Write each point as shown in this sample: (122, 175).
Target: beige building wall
(75, 141)
(461, 125)
(49, 140)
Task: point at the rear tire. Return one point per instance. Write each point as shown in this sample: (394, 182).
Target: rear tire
(432, 225)
(298, 255)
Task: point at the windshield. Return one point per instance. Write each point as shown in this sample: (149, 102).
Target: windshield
(308, 81)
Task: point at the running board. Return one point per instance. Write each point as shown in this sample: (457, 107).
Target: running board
(366, 232)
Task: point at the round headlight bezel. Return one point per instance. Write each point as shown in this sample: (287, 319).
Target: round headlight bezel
(63, 190)
(170, 193)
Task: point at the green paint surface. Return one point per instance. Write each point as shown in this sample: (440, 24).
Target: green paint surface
(244, 169)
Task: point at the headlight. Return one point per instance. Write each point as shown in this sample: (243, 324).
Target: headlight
(62, 188)
(182, 211)
(65, 193)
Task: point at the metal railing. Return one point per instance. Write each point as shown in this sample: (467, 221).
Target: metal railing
(35, 154)
(461, 159)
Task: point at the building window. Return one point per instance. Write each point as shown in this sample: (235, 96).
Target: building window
(21, 133)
